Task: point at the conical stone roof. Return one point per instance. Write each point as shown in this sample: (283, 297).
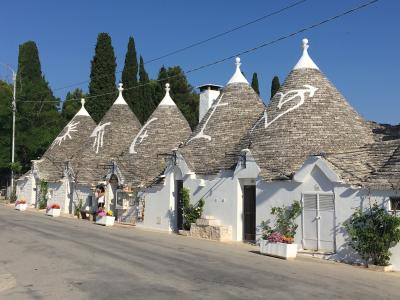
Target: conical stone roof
(106, 142)
(165, 130)
(216, 142)
(69, 142)
(307, 116)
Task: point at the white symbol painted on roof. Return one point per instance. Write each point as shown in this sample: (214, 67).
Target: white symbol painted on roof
(287, 97)
(143, 136)
(71, 127)
(98, 134)
(201, 132)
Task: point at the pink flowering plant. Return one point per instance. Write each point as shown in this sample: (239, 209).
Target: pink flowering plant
(101, 212)
(285, 224)
(22, 201)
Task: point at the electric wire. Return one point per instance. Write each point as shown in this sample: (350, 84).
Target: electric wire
(241, 53)
(198, 43)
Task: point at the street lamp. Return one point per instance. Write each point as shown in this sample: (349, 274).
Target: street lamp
(14, 108)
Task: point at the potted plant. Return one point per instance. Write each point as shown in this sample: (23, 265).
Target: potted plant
(104, 217)
(53, 210)
(278, 241)
(20, 205)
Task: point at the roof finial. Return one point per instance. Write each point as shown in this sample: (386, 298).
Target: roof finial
(237, 63)
(305, 62)
(238, 76)
(305, 44)
(120, 99)
(167, 100)
(82, 111)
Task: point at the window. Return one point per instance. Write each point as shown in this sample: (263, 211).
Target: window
(394, 204)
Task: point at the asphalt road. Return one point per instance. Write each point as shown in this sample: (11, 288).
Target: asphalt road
(63, 258)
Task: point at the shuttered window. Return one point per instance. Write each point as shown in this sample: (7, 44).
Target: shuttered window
(326, 202)
(310, 201)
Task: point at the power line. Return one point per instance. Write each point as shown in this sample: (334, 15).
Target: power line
(198, 43)
(244, 52)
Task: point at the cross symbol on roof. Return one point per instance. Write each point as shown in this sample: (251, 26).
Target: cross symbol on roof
(143, 136)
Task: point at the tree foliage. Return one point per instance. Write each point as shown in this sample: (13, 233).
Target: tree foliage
(145, 95)
(129, 75)
(71, 107)
(102, 78)
(372, 233)
(275, 85)
(5, 129)
(254, 83)
(37, 119)
(181, 92)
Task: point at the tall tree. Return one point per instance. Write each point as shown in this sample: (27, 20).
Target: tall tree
(102, 78)
(5, 131)
(275, 85)
(181, 92)
(129, 74)
(254, 83)
(72, 104)
(38, 120)
(145, 105)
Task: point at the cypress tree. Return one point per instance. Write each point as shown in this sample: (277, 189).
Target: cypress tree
(37, 121)
(71, 107)
(129, 74)
(254, 83)
(275, 85)
(102, 78)
(145, 95)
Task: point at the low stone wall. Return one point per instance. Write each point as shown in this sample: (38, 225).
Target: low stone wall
(211, 229)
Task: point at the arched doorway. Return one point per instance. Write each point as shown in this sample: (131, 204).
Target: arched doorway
(112, 193)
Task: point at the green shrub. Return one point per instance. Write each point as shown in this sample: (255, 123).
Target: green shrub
(284, 222)
(372, 233)
(43, 194)
(190, 212)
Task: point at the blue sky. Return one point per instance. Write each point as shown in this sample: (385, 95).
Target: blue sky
(359, 53)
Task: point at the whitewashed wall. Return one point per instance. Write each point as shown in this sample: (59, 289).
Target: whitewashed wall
(346, 201)
(25, 189)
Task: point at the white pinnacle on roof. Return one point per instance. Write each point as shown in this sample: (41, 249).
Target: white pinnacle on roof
(167, 100)
(120, 99)
(238, 76)
(82, 111)
(305, 61)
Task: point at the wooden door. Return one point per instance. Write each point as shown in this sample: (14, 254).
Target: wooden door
(179, 204)
(249, 213)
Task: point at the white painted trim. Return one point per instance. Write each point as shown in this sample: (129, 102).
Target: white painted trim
(321, 163)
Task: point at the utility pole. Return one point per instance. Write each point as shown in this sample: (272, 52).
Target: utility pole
(14, 108)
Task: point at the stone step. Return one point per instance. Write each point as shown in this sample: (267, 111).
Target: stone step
(208, 222)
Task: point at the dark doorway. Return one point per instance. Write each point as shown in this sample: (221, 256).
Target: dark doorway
(249, 213)
(179, 204)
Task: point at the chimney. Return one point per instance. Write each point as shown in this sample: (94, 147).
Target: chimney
(208, 93)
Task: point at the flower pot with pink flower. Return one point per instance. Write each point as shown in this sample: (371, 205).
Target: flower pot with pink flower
(105, 217)
(20, 205)
(278, 241)
(53, 210)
